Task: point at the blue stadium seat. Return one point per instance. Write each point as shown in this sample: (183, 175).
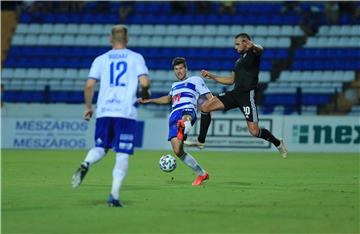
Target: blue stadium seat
(280, 99)
(315, 99)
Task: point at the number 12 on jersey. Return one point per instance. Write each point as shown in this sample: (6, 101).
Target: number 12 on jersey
(117, 70)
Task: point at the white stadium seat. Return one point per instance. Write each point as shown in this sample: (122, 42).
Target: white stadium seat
(273, 30)
(249, 29)
(185, 30)
(210, 30)
(182, 41)
(220, 41)
(43, 39)
(160, 30)
(156, 41)
(169, 41)
(261, 30)
(34, 29)
(30, 39)
(33, 73)
(22, 29)
(29, 85)
(47, 29)
(224, 30)
(148, 30)
(56, 39)
(7, 73)
(18, 39)
(72, 29)
(71, 73)
(58, 73)
(197, 30)
(83, 74)
(45, 73)
(69, 40)
(172, 30)
(93, 40)
(81, 40)
(19, 73)
(85, 29)
(59, 29)
(97, 29)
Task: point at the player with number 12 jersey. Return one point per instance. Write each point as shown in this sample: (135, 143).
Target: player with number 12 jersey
(118, 70)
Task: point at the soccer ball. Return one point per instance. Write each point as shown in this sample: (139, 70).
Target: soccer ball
(167, 163)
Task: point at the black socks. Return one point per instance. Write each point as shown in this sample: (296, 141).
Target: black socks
(204, 126)
(266, 135)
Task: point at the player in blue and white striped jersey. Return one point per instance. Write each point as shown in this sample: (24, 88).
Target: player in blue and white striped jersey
(184, 96)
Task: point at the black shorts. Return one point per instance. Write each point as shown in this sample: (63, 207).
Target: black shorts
(244, 100)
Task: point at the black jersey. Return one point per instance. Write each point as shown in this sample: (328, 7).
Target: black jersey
(247, 71)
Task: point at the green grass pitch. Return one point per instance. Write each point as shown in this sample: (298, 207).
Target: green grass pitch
(246, 193)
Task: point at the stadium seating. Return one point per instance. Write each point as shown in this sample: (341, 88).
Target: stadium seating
(51, 53)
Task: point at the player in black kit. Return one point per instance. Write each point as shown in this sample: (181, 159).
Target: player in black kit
(245, 77)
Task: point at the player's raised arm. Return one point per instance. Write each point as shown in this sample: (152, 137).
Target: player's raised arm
(258, 49)
(161, 100)
(88, 95)
(227, 80)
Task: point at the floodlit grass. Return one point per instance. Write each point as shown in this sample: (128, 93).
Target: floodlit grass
(246, 193)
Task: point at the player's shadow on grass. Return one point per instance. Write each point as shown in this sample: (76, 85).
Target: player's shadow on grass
(178, 182)
(237, 183)
(96, 185)
(103, 203)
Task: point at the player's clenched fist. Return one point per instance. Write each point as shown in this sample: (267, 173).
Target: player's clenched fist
(143, 101)
(206, 74)
(88, 114)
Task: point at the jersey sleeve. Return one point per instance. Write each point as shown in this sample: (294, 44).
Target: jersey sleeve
(171, 91)
(201, 86)
(95, 70)
(141, 68)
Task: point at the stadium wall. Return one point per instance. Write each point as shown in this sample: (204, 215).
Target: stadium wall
(228, 132)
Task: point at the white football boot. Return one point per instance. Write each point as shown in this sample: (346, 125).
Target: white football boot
(194, 143)
(282, 149)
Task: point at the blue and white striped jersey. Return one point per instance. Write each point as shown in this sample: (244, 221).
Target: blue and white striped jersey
(185, 93)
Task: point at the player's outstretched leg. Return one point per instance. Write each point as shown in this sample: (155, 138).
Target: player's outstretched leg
(114, 202)
(283, 149)
(79, 175)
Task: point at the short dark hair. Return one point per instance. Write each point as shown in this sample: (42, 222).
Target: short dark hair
(119, 33)
(178, 60)
(243, 35)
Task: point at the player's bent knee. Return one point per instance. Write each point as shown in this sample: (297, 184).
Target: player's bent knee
(254, 132)
(205, 108)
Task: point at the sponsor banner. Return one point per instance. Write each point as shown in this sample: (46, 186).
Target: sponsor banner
(300, 133)
(226, 132)
(50, 133)
(322, 134)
